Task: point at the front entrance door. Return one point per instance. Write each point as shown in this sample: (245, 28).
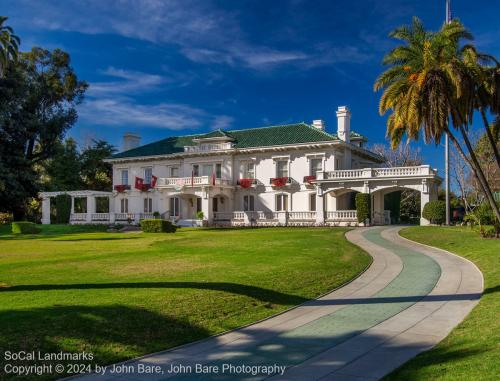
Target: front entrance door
(215, 204)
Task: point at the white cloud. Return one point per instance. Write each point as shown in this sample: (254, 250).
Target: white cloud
(125, 112)
(222, 122)
(129, 82)
(202, 32)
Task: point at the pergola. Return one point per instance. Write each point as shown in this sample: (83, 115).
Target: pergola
(89, 216)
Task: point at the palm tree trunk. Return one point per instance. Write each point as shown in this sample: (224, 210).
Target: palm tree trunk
(478, 172)
(490, 137)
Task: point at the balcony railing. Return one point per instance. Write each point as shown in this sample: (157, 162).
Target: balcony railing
(182, 182)
(415, 171)
(302, 216)
(121, 188)
(78, 216)
(280, 181)
(100, 216)
(342, 215)
(247, 183)
(205, 147)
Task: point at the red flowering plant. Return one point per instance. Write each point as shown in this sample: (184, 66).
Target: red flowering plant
(246, 183)
(309, 179)
(280, 181)
(122, 188)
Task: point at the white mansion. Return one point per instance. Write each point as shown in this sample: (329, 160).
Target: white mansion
(296, 174)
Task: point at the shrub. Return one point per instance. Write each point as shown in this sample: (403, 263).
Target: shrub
(5, 218)
(199, 215)
(63, 208)
(25, 227)
(363, 206)
(157, 226)
(156, 214)
(435, 212)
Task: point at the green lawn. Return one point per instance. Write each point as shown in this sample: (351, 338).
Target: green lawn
(472, 351)
(121, 295)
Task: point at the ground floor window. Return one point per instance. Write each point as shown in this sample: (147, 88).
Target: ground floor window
(198, 204)
(124, 205)
(174, 206)
(312, 202)
(148, 205)
(248, 203)
(281, 202)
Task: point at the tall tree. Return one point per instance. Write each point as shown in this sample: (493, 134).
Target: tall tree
(38, 98)
(97, 174)
(62, 171)
(425, 88)
(9, 46)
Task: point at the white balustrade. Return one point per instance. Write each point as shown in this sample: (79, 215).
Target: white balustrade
(342, 215)
(422, 170)
(78, 216)
(124, 216)
(182, 182)
(302, 215)
(208, 147)
(100, 216)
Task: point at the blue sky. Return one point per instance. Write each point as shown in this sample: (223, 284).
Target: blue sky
(167, 67)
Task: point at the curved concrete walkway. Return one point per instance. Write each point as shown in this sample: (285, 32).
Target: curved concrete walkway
(408, 300)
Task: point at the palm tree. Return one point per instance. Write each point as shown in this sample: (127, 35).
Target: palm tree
(484, 72)
(9, 45)
(425, 87)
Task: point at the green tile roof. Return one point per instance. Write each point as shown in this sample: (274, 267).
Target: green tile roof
(253, 137)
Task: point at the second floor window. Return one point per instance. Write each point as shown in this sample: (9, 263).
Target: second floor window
(207, 169)
(218, 170)
(249, 170)
(282, 168)
(124, 177)
(316, 166)
(248, 203)
(148, 174)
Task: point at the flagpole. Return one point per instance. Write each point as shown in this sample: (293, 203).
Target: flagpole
(447, 143)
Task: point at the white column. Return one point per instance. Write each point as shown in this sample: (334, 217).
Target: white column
(111, 209)
(90, 208)
(378, 207)
(320, 207)
(72, 204)
(46, 211)
(428, 193)
(206, 207)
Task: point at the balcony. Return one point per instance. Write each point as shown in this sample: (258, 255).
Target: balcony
(279, 182)
(208, 147)
(180, 183)
(121, 188)
(370, 173)
(247, 183)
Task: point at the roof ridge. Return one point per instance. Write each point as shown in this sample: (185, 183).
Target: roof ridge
(272, 126)
(322, 131)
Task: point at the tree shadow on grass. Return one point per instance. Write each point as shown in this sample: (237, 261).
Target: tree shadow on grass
(259, 293)
(112, 333)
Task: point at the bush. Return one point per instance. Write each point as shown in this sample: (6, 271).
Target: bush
(199, 215)
(435, 212)
(363, 206)
(63, 208)
(5, 218)
(25, 227)
(157, 226)
(488, 231)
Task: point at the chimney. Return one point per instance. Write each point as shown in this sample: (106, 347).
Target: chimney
(131, 141)
(344, 123)
(319, 124)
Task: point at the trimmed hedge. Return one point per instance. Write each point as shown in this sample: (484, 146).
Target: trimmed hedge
(363, 206)
(63, 208)
(25, 227)
(435, 212)
(157, 226)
